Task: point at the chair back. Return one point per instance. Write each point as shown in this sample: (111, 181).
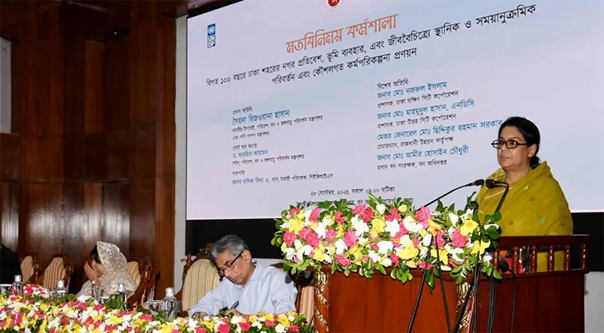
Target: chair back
(144, 274)
(29, 268)
(199, 276)
(59, 268)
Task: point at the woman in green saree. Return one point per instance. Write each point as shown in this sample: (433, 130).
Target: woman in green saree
(535, 204)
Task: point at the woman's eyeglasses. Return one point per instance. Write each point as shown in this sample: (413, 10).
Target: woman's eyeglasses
(509, 144)
(228, 266)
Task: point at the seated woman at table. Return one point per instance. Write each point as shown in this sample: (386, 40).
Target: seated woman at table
(108, 268)
(535, 204)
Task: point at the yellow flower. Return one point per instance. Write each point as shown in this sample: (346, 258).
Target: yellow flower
(300, 215)
(283, 246)
(340, 231)
(408, 253)
(295, 225)
(269, 316)
(319, 253)
(43, 307)
(210, 324)
(468, 227)
(283, 320)
(434, 227)
(423, 232)
(403, 208)
(480, 247)
(411, 264)
(378, 224)
(442, 254)
(252, 319)
(314, 225)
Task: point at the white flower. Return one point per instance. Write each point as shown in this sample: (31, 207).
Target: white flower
(304, 250)
(360, 226)
(427, 239)
(405, 241)
(289, 253)
(384, 247)
(392, 227)
(297, 244)
(385, 261)
(488, 256)
(453, 217)
(411, 225)
(285, 225)
(327, 220)
(321, 229)
(236, 320)
(445, 268)
(280, 328)
(468, 214)
(381, 208)
(257, 324)
(374, 256)
(340, 246)
(363, 241)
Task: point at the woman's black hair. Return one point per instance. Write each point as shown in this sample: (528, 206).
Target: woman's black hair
(94, 255)
(530, 132)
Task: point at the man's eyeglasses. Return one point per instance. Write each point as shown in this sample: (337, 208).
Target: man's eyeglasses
(228, 266)
(509, 144)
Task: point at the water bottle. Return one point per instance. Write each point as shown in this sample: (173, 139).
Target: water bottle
(170, 305)
(96, 292)
(18, 286)
(61, 290)
(121, 296)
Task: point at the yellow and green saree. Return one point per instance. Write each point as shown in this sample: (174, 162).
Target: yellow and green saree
(534, 206)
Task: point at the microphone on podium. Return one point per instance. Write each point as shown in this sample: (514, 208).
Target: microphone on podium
(491, 183)
(477, 182)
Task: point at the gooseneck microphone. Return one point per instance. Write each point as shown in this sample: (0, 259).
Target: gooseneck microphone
(492, 183)
(477, 182)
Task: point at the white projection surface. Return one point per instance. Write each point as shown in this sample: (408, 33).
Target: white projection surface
(292, 101)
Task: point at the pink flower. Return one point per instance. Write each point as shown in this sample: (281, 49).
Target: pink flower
(402, 231)
(458, 240)
(350, 238)
(175, 331)
(394, 258)
(289, 238)
(358, 209)
(147, 317)
(373, 246)
(393, 215)
(312, 239)
(294, 328)
(98, 307)
(314, 215)
(423, 215)
(270, 323)
(296, 260)
(330, 234)
(342, 261)
(424, 265)
(367, 215)
(339, 217)
(294, 211)
(244, 326)
(440, 241)
(304, 232)
(415, 242)
(224, 328)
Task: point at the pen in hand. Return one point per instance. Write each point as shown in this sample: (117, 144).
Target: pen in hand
(234, 306)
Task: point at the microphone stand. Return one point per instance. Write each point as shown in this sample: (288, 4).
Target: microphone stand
(478, 182)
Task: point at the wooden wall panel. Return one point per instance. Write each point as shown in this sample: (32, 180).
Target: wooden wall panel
(41, 158)
(116, 219)
(9, 163)
(116, 85)
(40, 227)
(92, 156)
(94, 94)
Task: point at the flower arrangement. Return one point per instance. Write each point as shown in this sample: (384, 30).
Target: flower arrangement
(34, 313)
(394, 235)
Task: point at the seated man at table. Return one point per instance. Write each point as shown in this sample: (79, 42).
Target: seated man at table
(249, 288)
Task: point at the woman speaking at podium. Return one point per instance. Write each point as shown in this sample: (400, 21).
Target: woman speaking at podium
(535, 204)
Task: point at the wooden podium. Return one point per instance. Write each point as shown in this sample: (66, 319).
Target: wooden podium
(551, 301)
